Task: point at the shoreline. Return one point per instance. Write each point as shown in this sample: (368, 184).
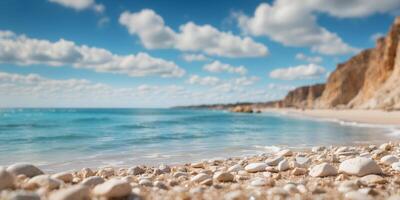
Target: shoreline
(372, 117)
(335, 172)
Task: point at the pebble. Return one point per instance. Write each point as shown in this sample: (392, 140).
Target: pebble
(302, 162)
(6, 179)
(86, 172)
(389, 159)
(274, 161)
(21, 195)
(145, 182)
(137, 170)
(259, 182)
(223, 177)
(285, 152)
(299, 171)
(25, 169)
(372, 179)
(76, 192)
(179, 174)
(92, 181)
(317, 149)
(291, 188)
(235, 195)
(200, 177)
(354, 195)
(283, 165)
(235, 168)
(44, 181)
(160, 184)
(66, 177)
(347, 186)
(106, 172)
(113, 188)
(359, 166)
(164, 168)
(197, 165)
(323, 170)
(255, 167)
(396, 166)
(207, 182)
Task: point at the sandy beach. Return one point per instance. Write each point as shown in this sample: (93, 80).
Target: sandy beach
(378, 117)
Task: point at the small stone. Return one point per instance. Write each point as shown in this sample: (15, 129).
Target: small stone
(354, 195)
(302, 188)
(283, 165)
(255, 167)
(207, 182)
(200, 177)
(44, 181)
(302, 162)
(385, 146)
(359, 166)
(274, 161)
(197, 165)
(92, 181)
(25, 169)
(106, 172)
(137, 170)
(259, 182)
(223, 177)
(299, 171)
(235, 195)
(164, 168)
(66, 177)
(347, 186)
(389, 159)
(285, 152)
(372, 179)
(179, 174)
(323, 170)
(291, 188)
(86, 172)
(7, 179)
(235, 168)
(145, 182)
(276, 191)
(396, 166)
(113, 188)
(160, 184)
(22, 195)
(76, 192)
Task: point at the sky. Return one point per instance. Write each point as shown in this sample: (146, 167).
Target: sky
(157, 53)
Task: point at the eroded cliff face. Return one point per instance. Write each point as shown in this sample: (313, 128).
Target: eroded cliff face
(369, 80)
(303, 97)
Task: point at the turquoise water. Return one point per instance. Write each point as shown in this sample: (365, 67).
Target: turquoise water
(73, 138)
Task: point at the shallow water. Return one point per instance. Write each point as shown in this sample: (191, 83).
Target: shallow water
(59, 139)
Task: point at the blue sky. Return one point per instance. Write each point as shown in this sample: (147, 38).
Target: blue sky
(141, 53)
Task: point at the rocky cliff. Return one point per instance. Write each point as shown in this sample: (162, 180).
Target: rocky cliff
(369, 80)
(303, 97)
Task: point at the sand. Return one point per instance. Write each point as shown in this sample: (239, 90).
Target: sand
(360, 116)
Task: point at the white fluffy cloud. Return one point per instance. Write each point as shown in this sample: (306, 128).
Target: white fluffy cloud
(22, 50)
(293, 23)
(309, 59)
(34, 90)
(80, 4)
(194, 57)
(217, 67)
(154, 34)
(309, 71)
(207, 80)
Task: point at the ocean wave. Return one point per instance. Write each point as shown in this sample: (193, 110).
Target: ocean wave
(131, 126)
(27, 125)
(91, 119)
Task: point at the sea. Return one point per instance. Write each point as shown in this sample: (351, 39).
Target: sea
(70, 139)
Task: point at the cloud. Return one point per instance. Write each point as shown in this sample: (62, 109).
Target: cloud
(33, 90)
(293, 23)
(194, 57)
(217, 67)
(154, 34)
(273, 86)
(309, 71)
(374, 37)
(22, 50)
(208, 80)
(309, 59)
(80, 5)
